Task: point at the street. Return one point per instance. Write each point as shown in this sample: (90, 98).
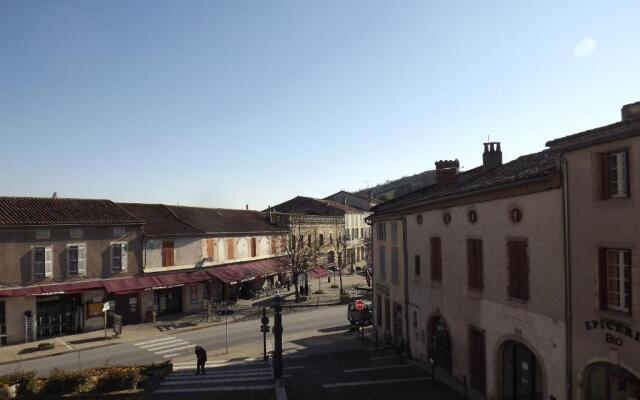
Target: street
(244, 338)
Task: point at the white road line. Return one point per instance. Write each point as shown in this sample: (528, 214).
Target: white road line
(216, 389)
(377, 368)
(174, 349)
(382, 358)
(153, 347)
(295, 367)
(266, 374)
(204, 379)
(155, 341)
(171, 355)
(363, 383)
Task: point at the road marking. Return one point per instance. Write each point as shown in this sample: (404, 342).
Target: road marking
(363, 383)
(171, 355)
(217, 389)
(295, 367)
(190, 375)
(167, 345)
(174, 349)
(382, 358)
(154, 341)
(377, 368)
(205, 379)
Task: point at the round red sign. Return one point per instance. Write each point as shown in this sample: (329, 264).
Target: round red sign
(359, 305)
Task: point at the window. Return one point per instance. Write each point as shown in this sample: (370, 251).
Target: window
(76, 259)
(118, 231)
(42, 234)
(474, 263)
(301, 241)
(446, 218)
(394, 233)
(395, 269)
(231, 250)
(477, 360)
(274, 248)
(211, 248)
(615, 175)
(321, 239)
(516, 214)
(382, 261)
(415, 319)
(518, 270)
(436, 259)
(382, 231)
(194, 294)
(118, 257)
(362, 233)
(615, 280)
(417, 265)
(42, 266)
(473, 216)
(308, 240)
(419, 219)
(167, 253)
(331, 238)
(76, 233)
(254, 247)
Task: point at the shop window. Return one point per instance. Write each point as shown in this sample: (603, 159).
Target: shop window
(42, 262)
(609, 381)
(378, 310)
(118, 257)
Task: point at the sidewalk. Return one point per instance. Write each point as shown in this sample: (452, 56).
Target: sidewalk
(243, 310)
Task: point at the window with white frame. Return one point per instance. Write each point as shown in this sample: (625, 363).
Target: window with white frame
(76, 259)
(618, 270)
(119, 256)
(42, 261)
(616, 175)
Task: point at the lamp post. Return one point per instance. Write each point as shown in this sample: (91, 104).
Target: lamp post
(277, 335)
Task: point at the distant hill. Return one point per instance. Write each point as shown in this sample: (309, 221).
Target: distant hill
(391, 189)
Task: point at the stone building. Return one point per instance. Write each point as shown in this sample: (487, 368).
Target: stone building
(468, 273)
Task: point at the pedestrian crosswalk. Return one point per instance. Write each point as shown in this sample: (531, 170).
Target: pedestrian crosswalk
(236, 379)
(167, 347)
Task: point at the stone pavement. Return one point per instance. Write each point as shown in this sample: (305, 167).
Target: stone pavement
(244, 309)
(222, 380)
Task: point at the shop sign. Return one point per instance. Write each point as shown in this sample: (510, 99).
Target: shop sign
(47, 298)
(613, 331)
(51, 293)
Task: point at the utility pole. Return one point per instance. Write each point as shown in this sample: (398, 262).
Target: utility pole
(277, 335)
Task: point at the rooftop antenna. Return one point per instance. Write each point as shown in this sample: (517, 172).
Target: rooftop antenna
(54, 195)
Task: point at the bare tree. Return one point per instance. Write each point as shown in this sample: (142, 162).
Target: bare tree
(341, 252)
(300, 253)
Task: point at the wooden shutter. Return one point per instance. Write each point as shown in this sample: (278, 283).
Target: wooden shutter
(602, 279)
(254, 247)
(436, 259)
(230, 250)
(167, 253)
(474, 261)
(628, 282)
(513, 269)
(82, 260)
(606, 193)
(479, 265)
(523, 271)
(471, 278)
(273, 245)
(211, 248)
(48, 262)
(123, 256)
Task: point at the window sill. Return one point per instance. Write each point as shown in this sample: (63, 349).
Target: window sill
(620, 316)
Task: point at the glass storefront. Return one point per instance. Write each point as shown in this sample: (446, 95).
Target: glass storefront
(168, 301)
(607, 381)
(59, 314)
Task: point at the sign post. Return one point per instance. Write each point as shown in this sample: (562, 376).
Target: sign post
(277, 335)
(105, 308)
(264, 328)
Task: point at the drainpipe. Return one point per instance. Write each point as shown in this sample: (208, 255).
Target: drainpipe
(406, 279)
(567, 279)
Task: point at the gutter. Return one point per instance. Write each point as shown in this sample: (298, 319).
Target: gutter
(567, 280)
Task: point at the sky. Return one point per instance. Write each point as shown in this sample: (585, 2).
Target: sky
(229, 103)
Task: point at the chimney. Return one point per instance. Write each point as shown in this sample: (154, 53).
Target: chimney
(447, 171)
(631, 111)
(270, 214)
(246, 206)
(492, 156)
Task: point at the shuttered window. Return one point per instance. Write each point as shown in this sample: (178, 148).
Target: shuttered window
(518, 270)
(615, 280)
(477, 360)
(395, 268)
(474, 263)
(615, 174)
(42, 262)
(436, 259)
(211, 248)
(417, 265)
(382, 261)
(167, 253)
(254, 247)
(118, 257)
(76, 259)
(231, 253)
(274, 245)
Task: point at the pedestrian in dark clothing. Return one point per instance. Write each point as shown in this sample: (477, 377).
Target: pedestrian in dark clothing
(201, 358)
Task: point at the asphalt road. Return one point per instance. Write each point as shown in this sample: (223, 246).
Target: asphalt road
(240, 334)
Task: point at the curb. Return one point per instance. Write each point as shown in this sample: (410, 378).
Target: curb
(59, 353)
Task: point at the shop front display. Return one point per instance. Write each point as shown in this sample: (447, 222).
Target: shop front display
(59, 314)
(168, 301)
(607, 381)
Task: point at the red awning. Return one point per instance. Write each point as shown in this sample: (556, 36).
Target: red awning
(131, 284)
(317, 273)
(183, 278)
(19, 292)
(71, 287)
(241, 272)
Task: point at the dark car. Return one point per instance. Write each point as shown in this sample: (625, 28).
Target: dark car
(363, 317)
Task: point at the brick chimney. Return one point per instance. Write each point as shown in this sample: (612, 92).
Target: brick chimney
(492, 156)
(631, 111)
(447, 171)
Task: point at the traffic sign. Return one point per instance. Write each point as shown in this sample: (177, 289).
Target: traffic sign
(106, 306)
(359, 305)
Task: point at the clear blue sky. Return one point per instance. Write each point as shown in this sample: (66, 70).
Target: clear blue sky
(223, 103)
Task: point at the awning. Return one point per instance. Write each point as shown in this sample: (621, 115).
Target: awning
(242, 272)
(124, 285)
(71, 287)
(183, 278)
(19, 292)
(317, 273)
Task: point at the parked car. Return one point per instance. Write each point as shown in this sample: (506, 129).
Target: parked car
(364, 317)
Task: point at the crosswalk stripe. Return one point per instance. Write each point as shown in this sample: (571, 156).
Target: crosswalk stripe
(154, 341)
(171, 355)
(216, 389)
(213, 380)
(154, 346)
(174, 349)
(220, 375)
(378, 368)
(367, 383)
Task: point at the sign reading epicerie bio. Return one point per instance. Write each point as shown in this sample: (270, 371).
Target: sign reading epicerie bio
(619, 329)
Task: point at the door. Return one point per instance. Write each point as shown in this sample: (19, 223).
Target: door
(440, 348)
(397, 324)
(611, 382)
(127, 307)
(477, 360)
(521, 373)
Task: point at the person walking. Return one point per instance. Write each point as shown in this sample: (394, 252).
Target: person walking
(201, 359)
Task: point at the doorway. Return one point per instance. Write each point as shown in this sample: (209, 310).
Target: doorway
(440, 343)
(607, 381)
(521, 373)
(168, 301)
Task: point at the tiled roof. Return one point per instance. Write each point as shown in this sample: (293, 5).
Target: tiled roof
(522, 169)
(598, 135)
(180, 220)
(16, 211)
(311, 206)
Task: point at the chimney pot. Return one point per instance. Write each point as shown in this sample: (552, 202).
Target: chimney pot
(631, 111)
(492, 158)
